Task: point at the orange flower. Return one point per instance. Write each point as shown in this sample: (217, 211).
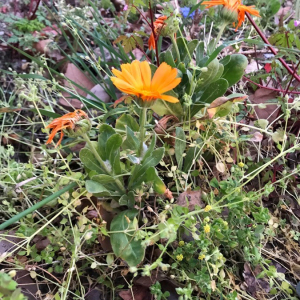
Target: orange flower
(67, 121)
(135, 79)
(236, 6)
(158, 26)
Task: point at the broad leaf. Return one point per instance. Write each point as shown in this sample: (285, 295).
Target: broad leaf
(105, 132)
(212, 92)
(234, 70)
(112, 149)
(89, 161)
(213, 73)
(123, 241)
(139, 171)
(95, 187)
(163, 108)
(127, 121)
(131, 142)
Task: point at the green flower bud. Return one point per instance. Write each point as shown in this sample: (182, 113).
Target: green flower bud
(82, 126)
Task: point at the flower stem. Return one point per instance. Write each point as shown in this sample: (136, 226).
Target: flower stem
(176, 46)
(142, 130)
(222, 28)
(102, 163)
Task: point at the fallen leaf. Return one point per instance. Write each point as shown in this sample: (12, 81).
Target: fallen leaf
(190, 199)
(76, 75)
(253, 285)
(100, 93)
(252, 67)
(138, 292)
(262, 96)
(257, 137)
(221, 167)
(44, 47)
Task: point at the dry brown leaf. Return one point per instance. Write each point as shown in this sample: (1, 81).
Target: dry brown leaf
(257, 137)
(100, 93)
(76, 75)
(44, 47)
(262, 96)
(138, 292)
(190, 199)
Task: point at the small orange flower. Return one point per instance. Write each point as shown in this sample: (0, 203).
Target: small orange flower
(234, 5)
(158, 26)
(67, 121)
(135, 79)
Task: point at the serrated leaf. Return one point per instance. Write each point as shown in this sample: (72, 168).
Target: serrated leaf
(123, 242)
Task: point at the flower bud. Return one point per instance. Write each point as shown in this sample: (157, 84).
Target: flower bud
(82, 126)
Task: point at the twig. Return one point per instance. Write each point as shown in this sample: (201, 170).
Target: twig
(292, 72)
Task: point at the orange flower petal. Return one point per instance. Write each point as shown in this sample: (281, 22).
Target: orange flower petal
(146, 74)
(169, 98)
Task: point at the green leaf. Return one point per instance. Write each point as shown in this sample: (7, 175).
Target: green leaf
(128, 200)
(214, 72)
(127, 121)
(89, 161)
(199, 53)
(151, 148)
(180, 144)
(191, 157)
(103, 178)
(169, 59)
(235, 69)
(151, 176)
(212, 92)
(139, 171)
(95, 187)
(131, 142)
(105, 132)
(163, 108)
(123, 243)
(112, 150)
(273, 7)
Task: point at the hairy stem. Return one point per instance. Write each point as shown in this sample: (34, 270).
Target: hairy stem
(176, 46)
(142, 130)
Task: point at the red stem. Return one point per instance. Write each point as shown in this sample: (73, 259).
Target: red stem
(153, 31)
(271, 89)
(292, 72)
(34, 12)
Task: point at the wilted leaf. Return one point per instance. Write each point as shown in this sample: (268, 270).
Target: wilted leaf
(257, 137)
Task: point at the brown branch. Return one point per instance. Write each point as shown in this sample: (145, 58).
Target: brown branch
(292, 72)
